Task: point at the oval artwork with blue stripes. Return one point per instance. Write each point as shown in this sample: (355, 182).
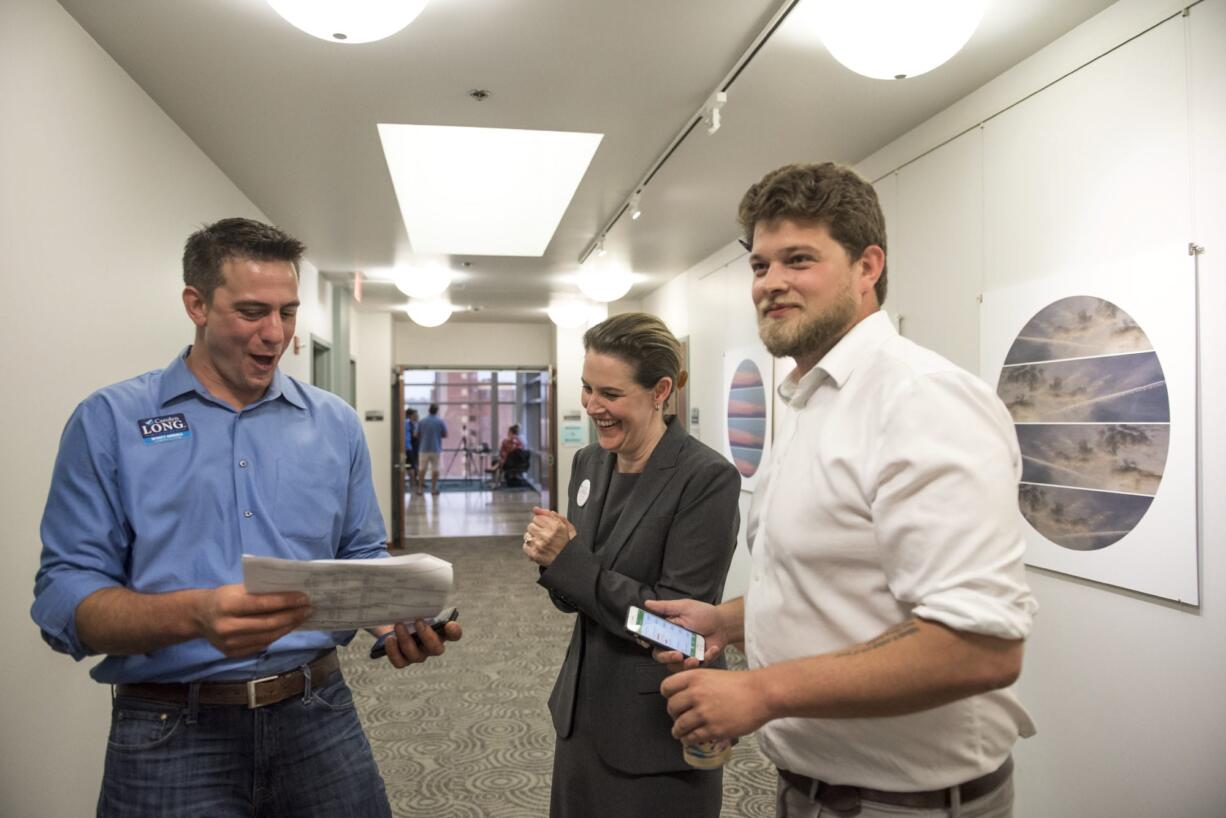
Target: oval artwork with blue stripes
(1093, 419)
(747, 417)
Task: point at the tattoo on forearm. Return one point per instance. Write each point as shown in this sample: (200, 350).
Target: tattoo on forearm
(900, 631)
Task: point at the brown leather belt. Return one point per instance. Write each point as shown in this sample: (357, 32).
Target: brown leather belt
(842, 798)
(252, 694)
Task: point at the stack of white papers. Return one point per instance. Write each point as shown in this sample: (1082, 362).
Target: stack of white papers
(348, 594)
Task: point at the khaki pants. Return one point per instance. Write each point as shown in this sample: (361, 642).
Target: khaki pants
(429, 463)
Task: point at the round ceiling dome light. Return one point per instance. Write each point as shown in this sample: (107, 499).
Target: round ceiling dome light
(429, 312)
(601, 282)
(428, 281)
(572, 313)
(896, 39)
(350, 22)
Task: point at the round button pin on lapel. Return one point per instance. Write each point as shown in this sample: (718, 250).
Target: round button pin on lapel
(585, 488)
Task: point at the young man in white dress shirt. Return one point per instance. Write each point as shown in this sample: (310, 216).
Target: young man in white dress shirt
(887, 603)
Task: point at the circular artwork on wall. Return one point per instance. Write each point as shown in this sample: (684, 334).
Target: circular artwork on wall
(1090, 406)
(747, 417)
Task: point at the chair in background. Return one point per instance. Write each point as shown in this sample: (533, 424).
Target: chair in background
(513, 471)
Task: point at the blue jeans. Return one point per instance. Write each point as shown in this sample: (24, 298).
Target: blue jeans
(304, 756)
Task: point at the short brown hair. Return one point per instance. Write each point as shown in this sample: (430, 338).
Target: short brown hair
(644, 342)
(834, 196)
(209, 247)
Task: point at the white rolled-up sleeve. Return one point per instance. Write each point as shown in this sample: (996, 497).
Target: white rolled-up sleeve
(945, 508)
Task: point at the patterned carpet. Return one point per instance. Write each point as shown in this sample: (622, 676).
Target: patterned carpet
(468, 735)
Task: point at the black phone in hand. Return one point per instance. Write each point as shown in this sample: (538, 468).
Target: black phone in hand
(379, 649)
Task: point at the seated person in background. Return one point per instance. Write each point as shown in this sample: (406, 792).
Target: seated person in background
(510, 443)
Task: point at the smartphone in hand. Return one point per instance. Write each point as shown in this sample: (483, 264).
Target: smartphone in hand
(659, 631)
(379, 649)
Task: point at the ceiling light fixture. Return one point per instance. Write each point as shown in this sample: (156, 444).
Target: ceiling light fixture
(604, 283)
(429, 312)
(572, 312)
(424, 281)
(635, 204)
(710, 111)
(350, 22)
(896, 39)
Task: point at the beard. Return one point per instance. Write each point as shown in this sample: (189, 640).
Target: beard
(808, 335)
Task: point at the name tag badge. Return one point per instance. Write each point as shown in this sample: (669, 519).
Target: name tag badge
(585, 488)
(163, 429)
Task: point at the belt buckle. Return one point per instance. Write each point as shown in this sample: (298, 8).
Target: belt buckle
(838, 797)
(251, 702)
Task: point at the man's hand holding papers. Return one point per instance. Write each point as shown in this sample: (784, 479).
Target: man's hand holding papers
(349, 594)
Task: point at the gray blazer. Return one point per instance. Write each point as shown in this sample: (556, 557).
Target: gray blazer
(674, 540)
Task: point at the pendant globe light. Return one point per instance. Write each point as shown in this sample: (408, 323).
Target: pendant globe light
(603, 282)
(429, 312)
(571, 313)
(896, 39)
(349, 21)
(428, 281)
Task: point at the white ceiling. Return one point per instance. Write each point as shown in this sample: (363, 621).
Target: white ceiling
(292, 119)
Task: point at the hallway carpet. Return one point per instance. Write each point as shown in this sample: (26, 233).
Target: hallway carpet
(467, 735)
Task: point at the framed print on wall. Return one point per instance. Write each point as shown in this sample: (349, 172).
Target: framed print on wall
(1098, 372)
(748, 378)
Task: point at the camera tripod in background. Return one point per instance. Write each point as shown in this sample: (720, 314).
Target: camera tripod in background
(472, 469)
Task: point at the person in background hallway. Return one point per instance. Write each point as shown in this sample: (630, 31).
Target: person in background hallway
(512, 442)
(887, 602)
(652, 514)
(411, 442)
(430, 434)
(161, 484)
(415, 416)
(408, 444)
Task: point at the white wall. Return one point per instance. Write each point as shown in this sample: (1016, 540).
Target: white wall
(1126, 689)
(100, 189)
(372, 348)
(569, 363)
(458, 345)
(711, 304)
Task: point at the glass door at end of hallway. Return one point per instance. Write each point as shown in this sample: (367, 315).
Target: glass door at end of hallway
(479, 407)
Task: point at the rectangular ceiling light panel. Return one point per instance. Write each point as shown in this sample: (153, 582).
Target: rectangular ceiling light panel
(484, 191)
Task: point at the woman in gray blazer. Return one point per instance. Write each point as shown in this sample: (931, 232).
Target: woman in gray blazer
(652, 515)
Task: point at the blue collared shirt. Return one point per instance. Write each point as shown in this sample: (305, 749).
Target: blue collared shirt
(159, 486)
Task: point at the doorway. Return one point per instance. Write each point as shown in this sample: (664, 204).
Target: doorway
(321, 364)
(478, 407)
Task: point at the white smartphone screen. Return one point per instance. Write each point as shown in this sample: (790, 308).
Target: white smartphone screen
(662, 632)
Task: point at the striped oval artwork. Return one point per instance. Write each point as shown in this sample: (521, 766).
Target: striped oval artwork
(1089, 402)
(747, 417)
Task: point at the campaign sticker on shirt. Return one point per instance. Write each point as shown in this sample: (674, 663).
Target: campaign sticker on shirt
(585, 488)
(163, 429)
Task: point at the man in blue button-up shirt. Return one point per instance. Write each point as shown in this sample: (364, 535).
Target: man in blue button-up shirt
(162, 483)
